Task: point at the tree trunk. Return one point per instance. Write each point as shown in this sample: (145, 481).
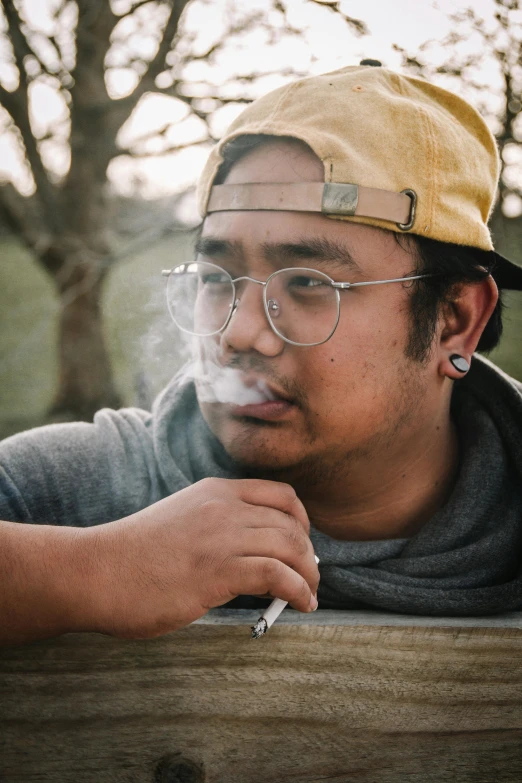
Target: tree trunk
(85, 380)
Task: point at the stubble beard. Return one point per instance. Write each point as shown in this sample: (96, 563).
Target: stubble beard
(339, 462)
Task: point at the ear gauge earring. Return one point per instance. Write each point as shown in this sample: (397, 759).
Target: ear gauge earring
(459, 363)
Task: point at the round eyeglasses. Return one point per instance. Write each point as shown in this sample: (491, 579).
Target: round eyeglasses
(302, 305)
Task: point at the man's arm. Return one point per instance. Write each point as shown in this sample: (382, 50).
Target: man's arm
(159, 569)
(43, 586)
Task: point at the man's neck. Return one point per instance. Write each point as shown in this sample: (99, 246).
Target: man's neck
(390, 495)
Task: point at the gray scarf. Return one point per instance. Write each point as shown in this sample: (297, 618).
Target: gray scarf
(465, 561)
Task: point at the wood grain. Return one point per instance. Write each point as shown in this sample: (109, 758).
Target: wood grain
(336, 696)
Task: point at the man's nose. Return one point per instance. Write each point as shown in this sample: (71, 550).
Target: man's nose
(248, 328)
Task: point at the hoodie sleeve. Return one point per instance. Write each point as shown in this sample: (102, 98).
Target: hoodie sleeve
(79, 474)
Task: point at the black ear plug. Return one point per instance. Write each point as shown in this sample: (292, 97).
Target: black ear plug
(459, 362)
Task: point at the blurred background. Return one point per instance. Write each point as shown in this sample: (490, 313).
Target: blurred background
(107, 112)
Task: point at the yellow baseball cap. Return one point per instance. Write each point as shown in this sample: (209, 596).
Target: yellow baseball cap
(398, 153)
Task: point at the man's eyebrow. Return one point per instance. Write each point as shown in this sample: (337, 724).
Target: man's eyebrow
(218, 248)
(318, 249)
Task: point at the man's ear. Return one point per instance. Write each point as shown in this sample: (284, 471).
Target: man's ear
(463, 322)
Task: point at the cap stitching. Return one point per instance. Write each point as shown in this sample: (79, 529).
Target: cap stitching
(432, 165)
(435, 168)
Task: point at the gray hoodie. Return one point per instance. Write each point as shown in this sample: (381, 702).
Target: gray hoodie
(465, 561)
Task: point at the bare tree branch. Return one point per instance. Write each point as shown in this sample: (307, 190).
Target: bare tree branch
(218, 98)
(240, 28)
(134, 153)
(22, 46)
(31, 52)
(157, 64)
(53, 43)
(254, 76)
(510, 116)
(135, 8)
(17, 104)
(19, 42)
(60, 8)
(357, 26)
(154, 134)
(10, 100)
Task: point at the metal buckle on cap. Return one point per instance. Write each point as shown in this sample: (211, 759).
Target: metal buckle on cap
(339, 199)
(411, 221)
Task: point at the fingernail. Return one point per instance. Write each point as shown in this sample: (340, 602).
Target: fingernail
(313, 603)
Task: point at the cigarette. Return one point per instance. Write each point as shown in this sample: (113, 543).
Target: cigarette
(270, 615)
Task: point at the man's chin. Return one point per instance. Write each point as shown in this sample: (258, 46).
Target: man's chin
(258, 447)
(277, 453)
(257, 455)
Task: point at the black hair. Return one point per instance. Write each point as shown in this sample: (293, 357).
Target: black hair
(236, 149)
(450, 265)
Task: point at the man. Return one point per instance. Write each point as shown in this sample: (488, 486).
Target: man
(343, 280)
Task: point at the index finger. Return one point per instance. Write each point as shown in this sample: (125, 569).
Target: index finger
(274, 494)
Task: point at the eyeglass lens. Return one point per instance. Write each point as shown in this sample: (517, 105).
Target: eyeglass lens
(301, 304)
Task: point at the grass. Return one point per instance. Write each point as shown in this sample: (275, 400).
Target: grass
(141, 339)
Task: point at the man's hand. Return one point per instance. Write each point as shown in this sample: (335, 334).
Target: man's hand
(162, 568)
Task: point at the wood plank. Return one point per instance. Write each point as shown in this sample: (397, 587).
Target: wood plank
(335, 696)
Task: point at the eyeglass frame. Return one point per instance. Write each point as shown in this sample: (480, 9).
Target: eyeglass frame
(341, 286)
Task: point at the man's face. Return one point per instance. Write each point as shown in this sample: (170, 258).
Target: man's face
(352, 396)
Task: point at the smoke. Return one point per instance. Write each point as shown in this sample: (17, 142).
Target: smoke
(216, 382)
(160, 350)
(166, 354)
(160, 353)
(169, 354)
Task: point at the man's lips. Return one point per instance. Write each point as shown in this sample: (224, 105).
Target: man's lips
(270, 410)
(263, 386)
(277, 404)
(277, 394)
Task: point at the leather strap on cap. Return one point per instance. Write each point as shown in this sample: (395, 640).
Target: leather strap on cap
(330, 198)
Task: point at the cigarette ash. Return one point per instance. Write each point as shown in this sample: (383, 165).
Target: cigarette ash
(260, 628)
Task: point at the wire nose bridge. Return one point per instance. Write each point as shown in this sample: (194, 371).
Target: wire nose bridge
(271, 307)
(251, 279)
(237, 298)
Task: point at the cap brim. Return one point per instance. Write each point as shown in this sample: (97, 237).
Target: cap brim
(506, 273)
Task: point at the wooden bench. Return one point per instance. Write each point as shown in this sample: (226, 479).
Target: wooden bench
(333, 696)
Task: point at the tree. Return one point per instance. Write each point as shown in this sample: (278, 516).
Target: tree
(64, 221)
(458, 62)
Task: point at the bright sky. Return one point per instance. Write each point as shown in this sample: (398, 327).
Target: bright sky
(325, 45)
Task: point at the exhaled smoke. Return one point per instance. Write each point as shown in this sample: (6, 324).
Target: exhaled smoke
(217, 383)
(164, 351)
(160, 351)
